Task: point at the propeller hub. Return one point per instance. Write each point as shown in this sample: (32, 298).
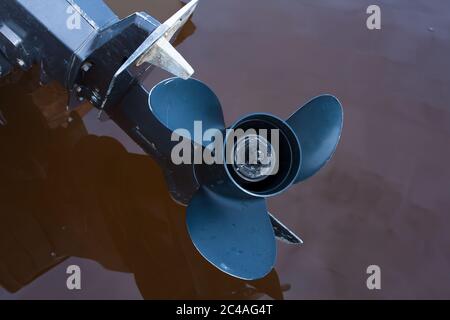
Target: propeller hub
(259, 167)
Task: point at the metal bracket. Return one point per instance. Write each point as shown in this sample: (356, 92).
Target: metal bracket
(158, 51)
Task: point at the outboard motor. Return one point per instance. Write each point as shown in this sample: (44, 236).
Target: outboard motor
(223, 175)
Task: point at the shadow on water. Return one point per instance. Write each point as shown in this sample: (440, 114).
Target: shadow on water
(66, 193)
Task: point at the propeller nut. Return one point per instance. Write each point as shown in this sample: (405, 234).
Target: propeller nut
(254, 158)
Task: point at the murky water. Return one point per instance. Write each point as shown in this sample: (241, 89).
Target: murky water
(69, 196)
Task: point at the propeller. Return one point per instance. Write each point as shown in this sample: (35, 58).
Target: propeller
(227, 218)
